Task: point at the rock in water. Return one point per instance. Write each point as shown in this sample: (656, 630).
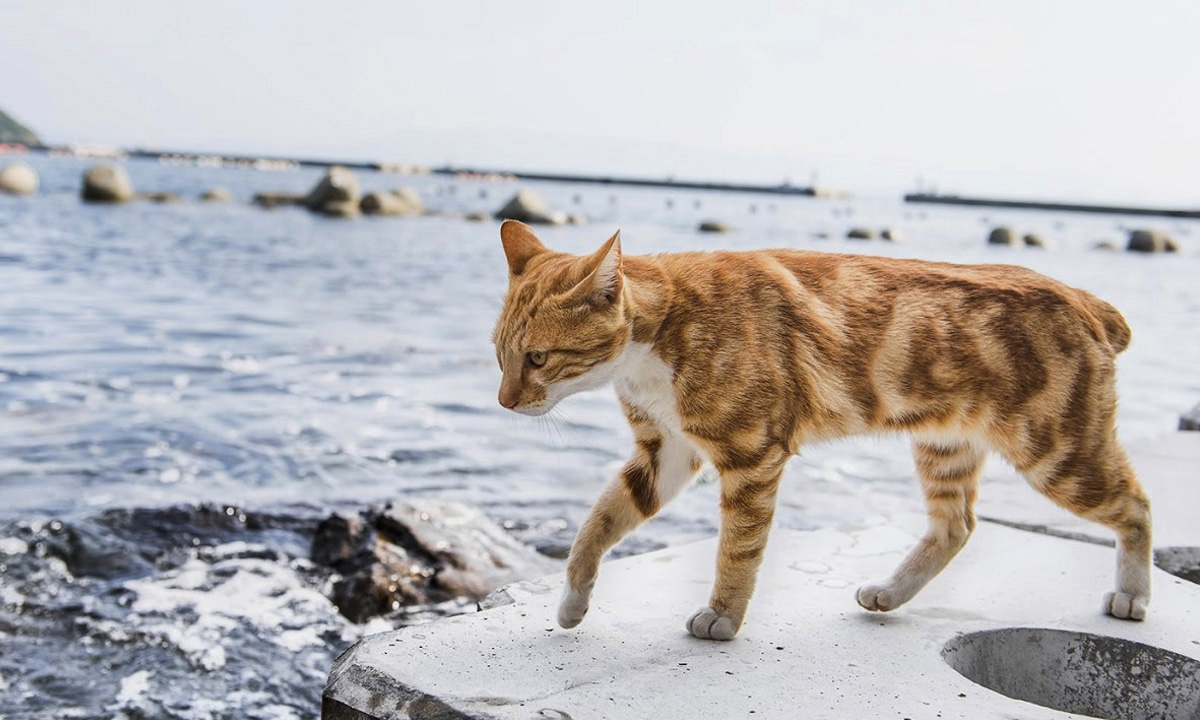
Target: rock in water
(107, 184)
(404, 202)
(217, 195)
(1151, 241)
(530, 207)
(861, 234)
(713, 226)
(1004, 235)
(159, 197)
(18, 179)
(272, 200)
(477, 217)
(333, 195)
(1190, 420)
(890, 234)
(1034, 240)
(419, 552)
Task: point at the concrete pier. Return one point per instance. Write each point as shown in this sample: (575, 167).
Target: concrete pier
(1012, 628)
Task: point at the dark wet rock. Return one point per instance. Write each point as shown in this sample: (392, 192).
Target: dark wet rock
(277, 199)
(1151, 241)
(336, 188)
(404, 202)
(159, 197)
(217, 194)
(1190, 420)
(106, 183)
(123, 543)
(861, 234)
(1004, 235)
(530, 207)
(417, 553)
(713, 226)
(18, 179)
(1034, 240)
(890, 234)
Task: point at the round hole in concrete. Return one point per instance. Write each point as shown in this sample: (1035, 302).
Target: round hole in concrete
(1077, 672)
(1181, 562)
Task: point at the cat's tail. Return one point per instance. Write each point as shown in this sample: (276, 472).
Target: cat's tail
(1116, 330)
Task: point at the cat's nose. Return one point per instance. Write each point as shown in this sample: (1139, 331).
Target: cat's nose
(508, 403)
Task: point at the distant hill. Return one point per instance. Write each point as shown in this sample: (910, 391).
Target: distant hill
(12, 131)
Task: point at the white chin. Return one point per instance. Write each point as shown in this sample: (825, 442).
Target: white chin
(535, 410)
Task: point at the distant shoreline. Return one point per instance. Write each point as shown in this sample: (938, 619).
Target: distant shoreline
(275, 162)
(1054, 206)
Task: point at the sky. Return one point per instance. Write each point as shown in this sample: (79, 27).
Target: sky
(1070, 99)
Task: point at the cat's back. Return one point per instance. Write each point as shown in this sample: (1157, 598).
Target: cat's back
(868, 289)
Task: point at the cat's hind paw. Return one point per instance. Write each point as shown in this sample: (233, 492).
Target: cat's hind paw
(572, 608)
(708, 624)
(1126, 606)
(879, 597)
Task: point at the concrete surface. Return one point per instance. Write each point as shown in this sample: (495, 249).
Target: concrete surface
(1018, 611)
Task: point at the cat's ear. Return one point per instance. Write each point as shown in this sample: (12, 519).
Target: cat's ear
(520, 245)
(603, 283)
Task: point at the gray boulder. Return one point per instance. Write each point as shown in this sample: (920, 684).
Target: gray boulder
(1034, 240)
(1151, 241)
(713, 226)
(338, 187)
(530, 207)
(18, 179)
(403, 202)
(217, 195)
(107, 183)
(419, 552)
(1004, 235)
(860, 233)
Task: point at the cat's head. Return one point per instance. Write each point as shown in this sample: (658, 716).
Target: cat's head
(563, 327)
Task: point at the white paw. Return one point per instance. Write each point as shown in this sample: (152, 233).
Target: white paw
(572, 608)
(879, 597)
(1126, 606)
(708, 624)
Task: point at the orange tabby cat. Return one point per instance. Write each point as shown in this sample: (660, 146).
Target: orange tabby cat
(739, 358)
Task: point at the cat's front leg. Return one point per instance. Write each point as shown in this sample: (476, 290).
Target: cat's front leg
(747, 507)
(659, 469)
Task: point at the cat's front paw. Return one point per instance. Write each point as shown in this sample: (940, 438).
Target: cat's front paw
(1126, 606)
(572, 608)
(879, 597)
(708, 624)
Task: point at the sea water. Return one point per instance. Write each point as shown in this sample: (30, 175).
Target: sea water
(273, 366)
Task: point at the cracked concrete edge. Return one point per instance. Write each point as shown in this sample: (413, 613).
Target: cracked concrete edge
(1052, 532)
(356, 691)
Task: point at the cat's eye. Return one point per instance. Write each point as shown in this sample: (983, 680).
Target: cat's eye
(537, 358)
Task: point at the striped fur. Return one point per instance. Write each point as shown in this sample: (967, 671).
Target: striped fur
(739, 359)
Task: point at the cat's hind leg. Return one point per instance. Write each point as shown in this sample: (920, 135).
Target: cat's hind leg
(1095, 481)
(660, 468)
(949, 473)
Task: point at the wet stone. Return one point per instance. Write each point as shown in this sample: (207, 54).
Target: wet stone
(418, 553)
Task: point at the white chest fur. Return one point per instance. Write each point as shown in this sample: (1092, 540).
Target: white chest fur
(645, 382)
